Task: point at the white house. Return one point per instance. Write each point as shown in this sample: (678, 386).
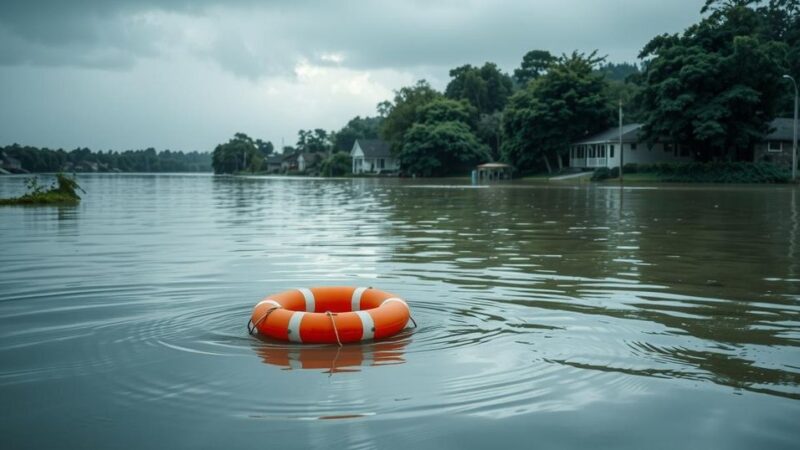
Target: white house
(603, 150)
(373, 156)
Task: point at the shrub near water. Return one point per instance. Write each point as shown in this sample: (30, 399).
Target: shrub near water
(62, 192)
(715, 172)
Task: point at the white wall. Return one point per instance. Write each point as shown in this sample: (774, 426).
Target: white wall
(641, 154)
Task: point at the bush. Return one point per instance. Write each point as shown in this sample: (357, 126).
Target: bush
(714, 172)
(604, 173)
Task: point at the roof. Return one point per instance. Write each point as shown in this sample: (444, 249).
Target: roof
(274, 159)
(374, 148)
(494, 166)
(782, 130)
(630, 133)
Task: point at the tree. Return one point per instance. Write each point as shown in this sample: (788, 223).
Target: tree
(486, 88)
(566, 103)
(490, 131)
(235, 155)
(265, 148)
(439, 149)
(534, 64)
(336, 165)
(715, 87)
(316, 141)
(403, 112)
(356, 128)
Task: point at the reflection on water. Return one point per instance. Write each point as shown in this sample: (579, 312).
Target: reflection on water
(532, 301)
(334, 359)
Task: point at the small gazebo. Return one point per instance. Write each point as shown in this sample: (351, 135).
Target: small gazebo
(493, 171)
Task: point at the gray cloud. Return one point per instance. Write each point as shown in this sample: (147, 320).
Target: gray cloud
(187, 75)
(255, 39)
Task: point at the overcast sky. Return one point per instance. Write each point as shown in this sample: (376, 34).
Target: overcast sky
(186, 75)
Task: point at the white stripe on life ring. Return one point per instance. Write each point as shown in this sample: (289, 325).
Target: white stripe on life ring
(269, 301)
(294, 326)
(395, 299)
(367, 324)
(355, 302)
(309, 297)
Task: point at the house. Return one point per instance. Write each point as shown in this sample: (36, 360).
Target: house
(373, 156)
(603, 149)
(777, 146)
(272, 163)
(305, 161)
(300, 162)
(289, 162)
(10, 164)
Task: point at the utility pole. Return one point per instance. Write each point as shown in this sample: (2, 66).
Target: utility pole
(621, 151)
(794, 140)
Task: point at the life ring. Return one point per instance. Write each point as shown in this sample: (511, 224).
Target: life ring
(330, 315)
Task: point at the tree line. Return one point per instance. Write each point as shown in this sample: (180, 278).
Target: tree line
(713, 88)
(34, 159)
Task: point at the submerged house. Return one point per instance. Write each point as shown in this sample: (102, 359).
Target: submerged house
(373, 156)
(603, 149)
(777, 146)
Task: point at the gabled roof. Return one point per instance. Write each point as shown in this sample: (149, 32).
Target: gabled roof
(374, 148)
(630, 133)
(782, 130)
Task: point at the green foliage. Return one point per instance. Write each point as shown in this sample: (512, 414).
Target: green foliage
(486, 88)
(714, 172)
(446, 110)
(618, 72)
(604, 173)
(716, 86)
(566, 103)
(356, 128)
(439, 149)
(336, 165)
(265, 148)
(63, 191)
(35, 159)
(236, 155)
(534, 64)
(490, 131)
(404, 111)
(316, 141)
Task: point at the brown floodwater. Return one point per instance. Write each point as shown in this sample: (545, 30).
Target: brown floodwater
(551, 316)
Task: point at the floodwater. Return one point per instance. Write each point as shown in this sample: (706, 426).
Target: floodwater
(549, 316)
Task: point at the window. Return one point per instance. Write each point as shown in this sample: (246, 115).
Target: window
(602, 152)
(774, 146)
(380, 163)
(611, 152)
(633, 146)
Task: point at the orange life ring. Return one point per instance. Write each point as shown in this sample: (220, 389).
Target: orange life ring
(330, 315)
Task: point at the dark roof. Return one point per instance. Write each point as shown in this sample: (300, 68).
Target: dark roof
(782, 130)
(274, 159)
(374, 148)
(630, 133)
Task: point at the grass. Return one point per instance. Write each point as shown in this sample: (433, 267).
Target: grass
(61, 193)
